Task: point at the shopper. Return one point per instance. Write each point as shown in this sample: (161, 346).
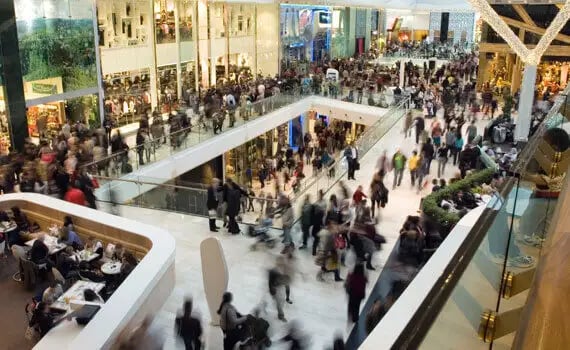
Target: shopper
(414, 165)
(234, 194)
(306, 220)
(212, 204)
(230, 321)
(442, 156)
(355, 286)
(351, 155)
(399, 164)
(189, 328)
(428, 152)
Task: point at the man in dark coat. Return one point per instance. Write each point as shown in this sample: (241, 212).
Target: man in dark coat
(212, 204)
(234, 202)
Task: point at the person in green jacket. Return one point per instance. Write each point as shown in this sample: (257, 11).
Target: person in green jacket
(399, 164)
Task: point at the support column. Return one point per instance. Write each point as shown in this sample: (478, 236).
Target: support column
(12, 81)
(226, 14)
(178, 51)
(526, 101)
(154, 89)
(196, 38)
(100, 98)
(402, 72)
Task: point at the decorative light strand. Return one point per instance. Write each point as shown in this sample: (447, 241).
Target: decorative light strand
(495, 21)
(551, 32)
(531, 57)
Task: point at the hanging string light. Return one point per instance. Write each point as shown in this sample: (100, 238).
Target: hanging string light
(527, 56)
(495, 21)
(551, 32)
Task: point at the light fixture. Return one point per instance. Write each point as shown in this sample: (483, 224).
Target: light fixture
(531, 57)
(493, 19)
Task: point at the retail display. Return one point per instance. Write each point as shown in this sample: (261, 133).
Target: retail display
(127, 96)
(45, 119)
(122, 24)
(4, 130)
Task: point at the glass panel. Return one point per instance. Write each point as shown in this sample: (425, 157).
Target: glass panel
(165, 22)
(56, 46)
(122, 23)
(185, 14)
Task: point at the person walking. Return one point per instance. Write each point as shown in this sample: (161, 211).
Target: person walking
(423, 171)
(457, 148)
(233, 206)
(442, 155)
(212, 204)
(351, 155)
(413, 165)
(420, 126)
(319, 212)
(189, 328)
(471, 132)
(140, 139)
(428, 152)
(287, 220)
(399, 164)
(306, 220)
(230, 320)
(355, 286)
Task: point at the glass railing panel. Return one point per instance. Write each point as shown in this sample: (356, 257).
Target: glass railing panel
(479, 286)
(122, 163)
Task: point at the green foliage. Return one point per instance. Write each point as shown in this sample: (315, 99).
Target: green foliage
(508, 106)
(446, 219)
(58, 48)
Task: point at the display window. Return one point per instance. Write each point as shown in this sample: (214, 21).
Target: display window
(185, 15)
(4, 127)
(165, 22)
(45, 119)
(122, 23)
(552, 75)
(127, 96)
(56, 40)
(168, 86)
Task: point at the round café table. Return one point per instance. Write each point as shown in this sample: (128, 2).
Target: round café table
(111, 268)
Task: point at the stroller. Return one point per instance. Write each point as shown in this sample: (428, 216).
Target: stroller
(261, 233)
(254, 334)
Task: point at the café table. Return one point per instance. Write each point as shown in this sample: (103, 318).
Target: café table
(7, 228)
(111, 268)
(75, 293)
(51, 242)
(87, 255)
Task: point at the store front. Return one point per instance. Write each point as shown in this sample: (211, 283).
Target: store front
(305, 33)
(127, 96)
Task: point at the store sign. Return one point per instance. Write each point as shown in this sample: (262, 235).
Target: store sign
(44, 89)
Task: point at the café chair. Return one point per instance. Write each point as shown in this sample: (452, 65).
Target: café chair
(19, 254)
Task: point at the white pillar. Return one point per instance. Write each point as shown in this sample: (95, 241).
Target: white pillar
(402, 72)
(178, 65)
(526, 101)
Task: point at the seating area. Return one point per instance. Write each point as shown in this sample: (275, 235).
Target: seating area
(59, 269)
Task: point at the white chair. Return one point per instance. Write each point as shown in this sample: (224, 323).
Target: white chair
(19, 253)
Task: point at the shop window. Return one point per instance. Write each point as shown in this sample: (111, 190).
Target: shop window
(122, 24)
(185, 13)
(57, 48)
(127, 95)
(165, 28)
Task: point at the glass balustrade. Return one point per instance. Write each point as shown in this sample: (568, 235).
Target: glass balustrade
(478, 290)
(190, 198)
(134, 158)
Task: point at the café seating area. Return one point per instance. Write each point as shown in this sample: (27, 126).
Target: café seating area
(96, 262)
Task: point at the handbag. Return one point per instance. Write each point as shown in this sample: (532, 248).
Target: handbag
(356, 165)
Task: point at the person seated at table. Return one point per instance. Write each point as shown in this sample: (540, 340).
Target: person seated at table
(94, 246)
(70, 238)
(4, 216)
(68, 263)
(129, 262)
(39, 252)
(91, 296)
(20, 219)
(86, 272)
(43, 320)
(68, 222)
(119, 252)
(52, 292)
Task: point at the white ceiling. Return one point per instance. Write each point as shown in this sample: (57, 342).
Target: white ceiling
(410, 5)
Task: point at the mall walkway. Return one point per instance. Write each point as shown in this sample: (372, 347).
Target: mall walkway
(319, 307)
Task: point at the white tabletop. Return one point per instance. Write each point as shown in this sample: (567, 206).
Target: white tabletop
(8, 226)
(111, 268)
(86, 255)
(75, 293)
(50, 242)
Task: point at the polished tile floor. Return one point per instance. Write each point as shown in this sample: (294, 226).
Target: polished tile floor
(319, 306)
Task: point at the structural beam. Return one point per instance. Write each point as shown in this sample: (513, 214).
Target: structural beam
(553, 50)
(534, 29)
(524, 15)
